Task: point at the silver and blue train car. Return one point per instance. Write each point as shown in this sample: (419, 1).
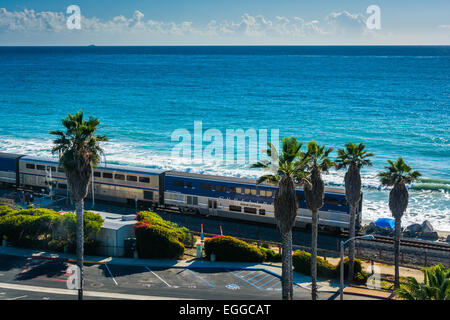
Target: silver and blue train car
(111, 183)
(9, 164)
(243, 199)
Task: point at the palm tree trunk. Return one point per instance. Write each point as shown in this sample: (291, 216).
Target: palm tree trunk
(352, 234)
(314, 227)
(286, 270)
(291, 284)
(79, 205)
(397, 252)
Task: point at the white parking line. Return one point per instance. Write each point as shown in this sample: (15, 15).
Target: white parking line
(110, 273)
(267, 275)
(274, 278)
(193, 273)
(16, 298)
(158, 277)
(245, 280)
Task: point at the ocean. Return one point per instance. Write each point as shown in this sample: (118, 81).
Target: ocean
(396, 100)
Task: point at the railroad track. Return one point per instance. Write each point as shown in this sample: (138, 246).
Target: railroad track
(422, 244)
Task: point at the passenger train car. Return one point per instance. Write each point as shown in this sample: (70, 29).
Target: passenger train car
(229, 197)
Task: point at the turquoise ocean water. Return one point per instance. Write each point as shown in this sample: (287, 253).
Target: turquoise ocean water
(394, 99)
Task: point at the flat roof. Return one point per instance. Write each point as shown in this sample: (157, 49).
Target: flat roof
(238, 180)
(111, 167)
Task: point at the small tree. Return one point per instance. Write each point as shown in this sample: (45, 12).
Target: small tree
(79, 150)
(436, 285)
(398, 174)
(288, 170)
(354, 157)
(317, 161)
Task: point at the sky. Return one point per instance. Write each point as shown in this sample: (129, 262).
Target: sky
(225, 22)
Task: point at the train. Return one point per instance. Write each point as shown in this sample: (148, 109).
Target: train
(210, 195)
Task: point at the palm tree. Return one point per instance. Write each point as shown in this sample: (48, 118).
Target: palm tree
(285, 202)
(436, 285)
(317, 161)
(398, 174)
(354, 157)
(79, 150)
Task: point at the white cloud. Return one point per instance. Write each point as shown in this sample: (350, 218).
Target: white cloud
(18, 27)
(346, 23)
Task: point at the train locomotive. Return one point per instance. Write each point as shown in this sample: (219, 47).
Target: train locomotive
(210, 195)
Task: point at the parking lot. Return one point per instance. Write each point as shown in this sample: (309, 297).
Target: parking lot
(51, 276)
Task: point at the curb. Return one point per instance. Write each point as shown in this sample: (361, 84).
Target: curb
(367, 295)
(65, 259)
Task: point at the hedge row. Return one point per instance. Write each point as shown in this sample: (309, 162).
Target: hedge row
(228, 248)
(301, 261)
(46, 229)
(158, 238)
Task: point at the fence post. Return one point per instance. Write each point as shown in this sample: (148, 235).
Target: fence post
(325, 255)
(426, 257)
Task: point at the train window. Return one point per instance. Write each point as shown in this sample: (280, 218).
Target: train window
(189, 199)
(235, 208)
(144, 179)
(118, 176)
(262, 212)
(233, 189)
(206, 186)
(333, 201)
(148, 195)
(250, 191)
(132, 178)
(97, 174)
(40, 167)
(269, 193)
(344, 202)
(52, 168)
(30, 166)
(62, 186)
(189, 184)
(262, 193)
(238, 190)
(221, 188)
(178, 183)
(250, 210)
(107, 175)
(195, 201)
(60, 169)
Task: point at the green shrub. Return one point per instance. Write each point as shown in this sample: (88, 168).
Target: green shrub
(154, 241)
(65, 234)
(271, 255)
(45, 228)
(227, 248)
(301, 261)
(4, 210)
(155, 219)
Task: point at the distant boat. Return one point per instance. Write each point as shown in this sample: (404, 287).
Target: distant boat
(91, 45)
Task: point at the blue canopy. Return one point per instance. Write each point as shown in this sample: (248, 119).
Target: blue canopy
(385, 223)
